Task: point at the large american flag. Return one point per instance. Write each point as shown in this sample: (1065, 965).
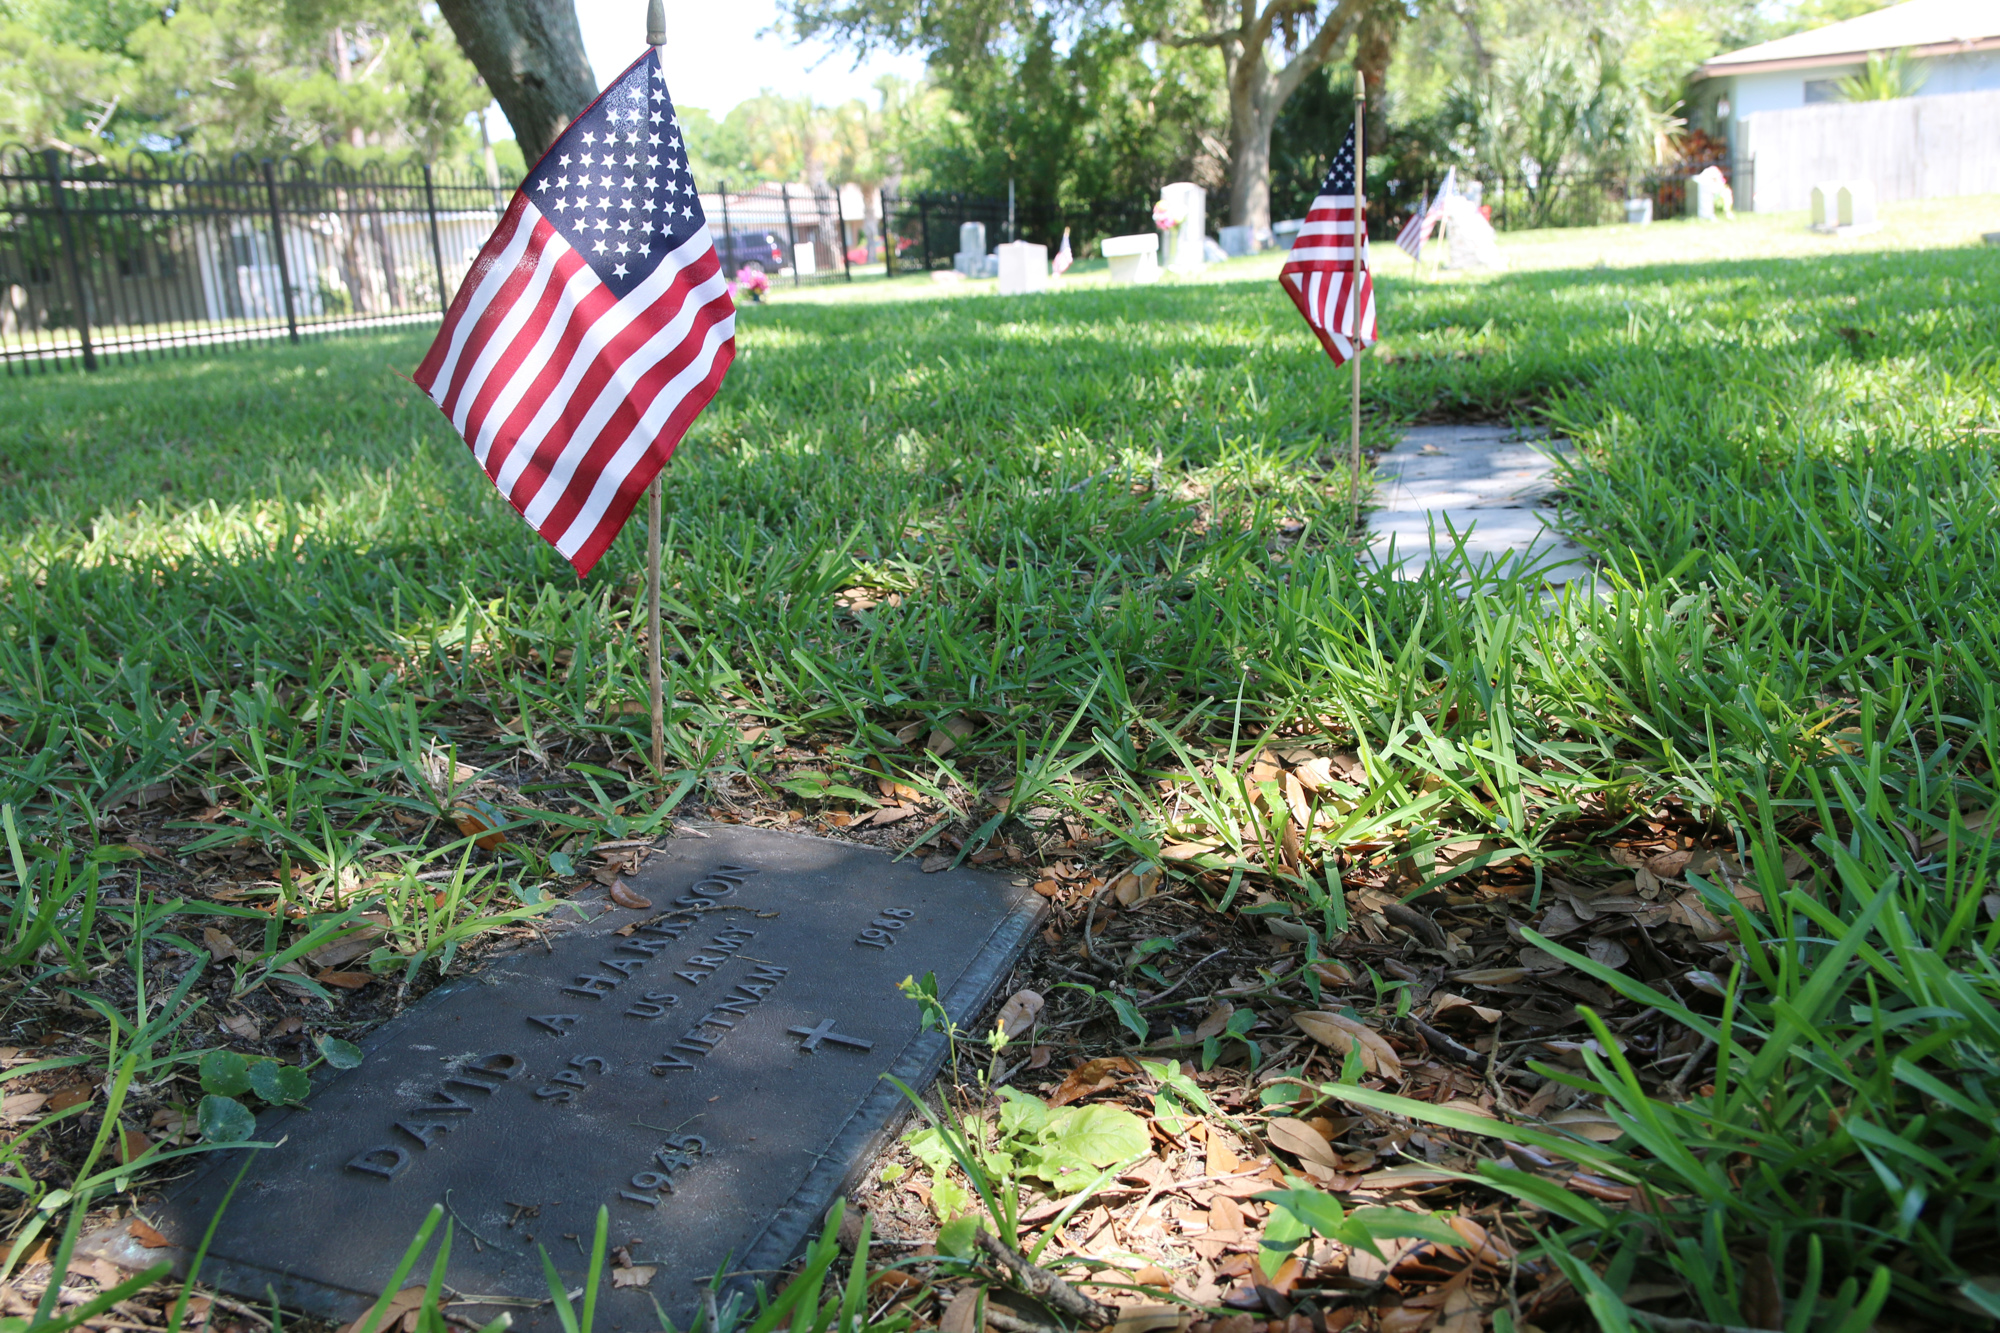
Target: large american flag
(1319, 275)
(595, 325)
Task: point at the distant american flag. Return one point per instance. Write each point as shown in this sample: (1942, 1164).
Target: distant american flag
(1319, 275)
(1410, 240)
(595, 325)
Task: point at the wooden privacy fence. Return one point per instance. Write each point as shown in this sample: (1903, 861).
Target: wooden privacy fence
(1912, 148)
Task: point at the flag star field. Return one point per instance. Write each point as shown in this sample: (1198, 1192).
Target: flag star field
(616, 186)
(595, 325)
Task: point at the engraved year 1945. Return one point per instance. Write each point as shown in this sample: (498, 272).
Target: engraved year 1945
(881, 932)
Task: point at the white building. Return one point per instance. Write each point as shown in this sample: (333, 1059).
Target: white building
(1778, 107)
(1953, 45)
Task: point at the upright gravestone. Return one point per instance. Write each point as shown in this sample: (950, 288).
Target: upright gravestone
(1825, 206)
(1189, 203)
(1855, 207)
(971, 257)
(1024, 268)
(711, 1070)
(1134, 260)
(1472, 240)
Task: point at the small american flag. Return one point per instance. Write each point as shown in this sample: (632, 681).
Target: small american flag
(1319, 275)
(595, 325)
(1410, 240)
(1063, 258)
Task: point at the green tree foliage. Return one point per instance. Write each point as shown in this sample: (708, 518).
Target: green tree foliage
(354, 77)
(1887, 76)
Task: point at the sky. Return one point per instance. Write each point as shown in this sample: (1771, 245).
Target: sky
(715, 59)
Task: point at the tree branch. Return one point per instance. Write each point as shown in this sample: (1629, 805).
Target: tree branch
(1317, 51)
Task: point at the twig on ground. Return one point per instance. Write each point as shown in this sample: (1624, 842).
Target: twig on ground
(1184, 977)
(1045, 1286)
(1441, 1041)
(1676, 1090)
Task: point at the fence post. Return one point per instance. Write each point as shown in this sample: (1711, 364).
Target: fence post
(1010, 208)
(437, 247)
(278, 239)
(840, 230)
(888, 235)
(791, 233)
(54, 159)
(728, 236)
(924, 225)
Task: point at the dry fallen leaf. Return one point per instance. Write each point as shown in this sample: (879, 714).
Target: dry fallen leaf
(402, 1303)
(347, 950)
(344, 980)
(1334, 972)
(1039, 1057)
(1136, 885)
(218, 944)
(1585, 1123)
(1216, 1020)
(1149, 1318)
(1344, 1034)
(1048, 888)
(1460, 1009)
(23, 1103)
(70, 1094)
(1225, 1219)
(961, 1313)
(239, 1025)
(624, 895)
(1187, 851)
(1607, 951)
(1301, 1141)
(132, 1145)
(1018, 1014)
(638, 1275)
(147, 1236)
(470, 822)
(1091, 1077)
(890, 814)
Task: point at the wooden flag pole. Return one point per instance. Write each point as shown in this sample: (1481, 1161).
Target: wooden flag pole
(1360, 222)
(656, 36)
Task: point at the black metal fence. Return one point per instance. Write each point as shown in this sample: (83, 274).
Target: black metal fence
(926, 231)
(162, 257)
(1592, 199)
(158, 257)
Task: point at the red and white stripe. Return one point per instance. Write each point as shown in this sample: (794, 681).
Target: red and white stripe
(571, 399)
(1319, 276)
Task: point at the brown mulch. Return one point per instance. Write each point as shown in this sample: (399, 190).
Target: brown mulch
(1454, 1005)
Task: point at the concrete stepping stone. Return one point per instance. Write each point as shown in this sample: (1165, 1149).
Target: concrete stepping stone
(1482, 485)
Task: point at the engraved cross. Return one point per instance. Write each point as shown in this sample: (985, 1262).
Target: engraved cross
(824, 1032)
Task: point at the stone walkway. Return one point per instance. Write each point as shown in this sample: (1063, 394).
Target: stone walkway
(1484, 484)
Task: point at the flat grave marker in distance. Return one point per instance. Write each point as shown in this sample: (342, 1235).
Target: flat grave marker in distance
(709, 1068)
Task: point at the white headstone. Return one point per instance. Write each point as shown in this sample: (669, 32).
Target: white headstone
(1473, 243)
(1284, 233)
(1024, 268)
(1856, 204)
(1638, 212)
(1712, 192)
(1133, 259)
(1183, 249)
(805, 260)
(1825, 209)
(971, 257)
(1239, 241)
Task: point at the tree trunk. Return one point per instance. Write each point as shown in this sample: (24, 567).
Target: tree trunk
(1250, 166)
(530, 52)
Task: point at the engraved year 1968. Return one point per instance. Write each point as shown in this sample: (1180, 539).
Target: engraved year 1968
(881, 932)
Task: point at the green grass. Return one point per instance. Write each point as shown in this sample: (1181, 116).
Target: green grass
(1118, 522)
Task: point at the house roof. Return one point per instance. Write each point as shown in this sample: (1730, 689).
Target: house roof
(1923, 27)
